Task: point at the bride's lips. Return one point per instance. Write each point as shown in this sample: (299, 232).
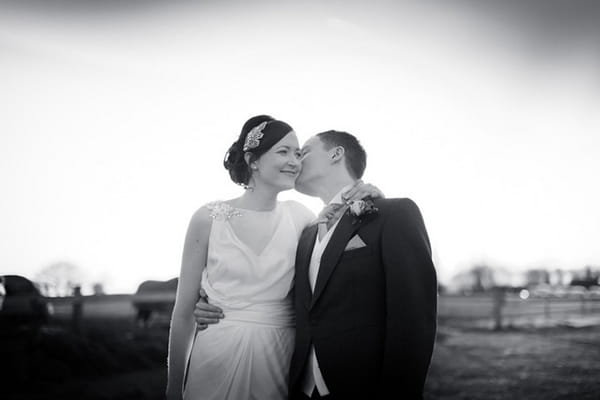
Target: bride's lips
(291, 173)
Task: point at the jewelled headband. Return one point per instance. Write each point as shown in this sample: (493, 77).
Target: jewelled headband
(253, 137)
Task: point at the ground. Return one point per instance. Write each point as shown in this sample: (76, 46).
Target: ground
(110, 357)
(548, 363)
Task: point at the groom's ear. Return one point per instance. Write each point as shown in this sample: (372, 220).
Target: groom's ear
(337, 153)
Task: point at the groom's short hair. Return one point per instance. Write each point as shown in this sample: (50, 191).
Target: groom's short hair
(355, 155)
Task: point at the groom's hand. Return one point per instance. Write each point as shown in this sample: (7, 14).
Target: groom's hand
(206, 313)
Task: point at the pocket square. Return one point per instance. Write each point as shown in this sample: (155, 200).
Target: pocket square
(355, 243)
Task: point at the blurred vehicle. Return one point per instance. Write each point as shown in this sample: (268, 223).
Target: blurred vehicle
(22, 303)
(577, 291)
(154, 298)
(541, 290)
(564, 292)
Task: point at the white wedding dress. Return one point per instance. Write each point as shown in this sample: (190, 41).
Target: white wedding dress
(247, 354)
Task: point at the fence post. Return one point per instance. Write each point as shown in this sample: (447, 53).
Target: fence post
(499, 299)
(77, 306)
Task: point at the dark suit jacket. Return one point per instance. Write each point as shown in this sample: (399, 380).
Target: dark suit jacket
(372, 317)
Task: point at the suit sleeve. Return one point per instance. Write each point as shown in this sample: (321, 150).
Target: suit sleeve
(411, 299)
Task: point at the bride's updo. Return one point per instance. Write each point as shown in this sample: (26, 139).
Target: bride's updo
(272, 131)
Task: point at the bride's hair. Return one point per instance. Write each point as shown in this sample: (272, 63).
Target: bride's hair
(234, 161)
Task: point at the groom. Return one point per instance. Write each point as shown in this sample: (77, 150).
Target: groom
(365, 286)
(366, 292)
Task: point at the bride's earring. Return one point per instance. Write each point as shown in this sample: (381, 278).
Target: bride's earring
(253, 167)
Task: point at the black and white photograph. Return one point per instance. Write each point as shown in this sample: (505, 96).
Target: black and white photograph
(292, 200)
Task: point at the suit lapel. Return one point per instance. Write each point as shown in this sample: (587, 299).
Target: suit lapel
(305, 249)
(342, 234)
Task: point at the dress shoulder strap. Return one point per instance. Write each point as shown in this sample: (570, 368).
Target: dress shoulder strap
(221, 211)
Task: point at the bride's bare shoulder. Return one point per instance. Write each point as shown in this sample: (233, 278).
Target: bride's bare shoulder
(201, 218)
(218, 210)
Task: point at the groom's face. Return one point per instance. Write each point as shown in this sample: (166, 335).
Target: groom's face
(316, 162)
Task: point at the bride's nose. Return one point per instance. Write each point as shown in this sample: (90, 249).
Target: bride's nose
(294, 162)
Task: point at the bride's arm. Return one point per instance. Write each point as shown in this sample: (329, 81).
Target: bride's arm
(362, 190)
(182, 321)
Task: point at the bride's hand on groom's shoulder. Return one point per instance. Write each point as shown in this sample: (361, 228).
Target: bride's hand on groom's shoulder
(362, 190)
(206, 313)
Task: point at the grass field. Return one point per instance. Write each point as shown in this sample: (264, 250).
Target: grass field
(548, 363)
(545, 352)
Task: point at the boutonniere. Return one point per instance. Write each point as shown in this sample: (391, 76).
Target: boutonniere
(359, 208)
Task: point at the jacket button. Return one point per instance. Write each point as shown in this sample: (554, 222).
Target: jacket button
(313, 321)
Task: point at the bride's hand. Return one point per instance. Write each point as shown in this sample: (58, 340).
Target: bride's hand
(362, 190)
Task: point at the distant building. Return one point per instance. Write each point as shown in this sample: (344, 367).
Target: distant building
(536, 277)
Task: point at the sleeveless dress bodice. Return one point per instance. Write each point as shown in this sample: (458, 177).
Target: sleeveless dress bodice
(246, 355)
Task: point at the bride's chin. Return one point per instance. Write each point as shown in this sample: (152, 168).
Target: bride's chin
(289, 187)
(283, 186)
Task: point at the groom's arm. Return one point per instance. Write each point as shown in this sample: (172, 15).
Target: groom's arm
(411, 299)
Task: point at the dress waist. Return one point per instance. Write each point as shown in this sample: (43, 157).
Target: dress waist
(275, 317)
(277, 313)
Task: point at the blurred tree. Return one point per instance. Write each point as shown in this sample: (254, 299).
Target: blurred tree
(477, 279)
(442, 288)
(98, 288)
(483, 278)
(59, 279)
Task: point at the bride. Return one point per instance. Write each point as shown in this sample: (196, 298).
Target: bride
(241, 253)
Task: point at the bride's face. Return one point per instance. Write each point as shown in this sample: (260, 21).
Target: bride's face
(280, 165)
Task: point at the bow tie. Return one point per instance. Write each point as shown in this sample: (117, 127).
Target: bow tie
(328, 217)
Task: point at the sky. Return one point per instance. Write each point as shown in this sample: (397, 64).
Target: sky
(115, 117)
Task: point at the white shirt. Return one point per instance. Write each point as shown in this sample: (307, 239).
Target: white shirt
(312, 375)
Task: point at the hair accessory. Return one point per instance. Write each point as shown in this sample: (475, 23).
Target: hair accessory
(254, 136)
